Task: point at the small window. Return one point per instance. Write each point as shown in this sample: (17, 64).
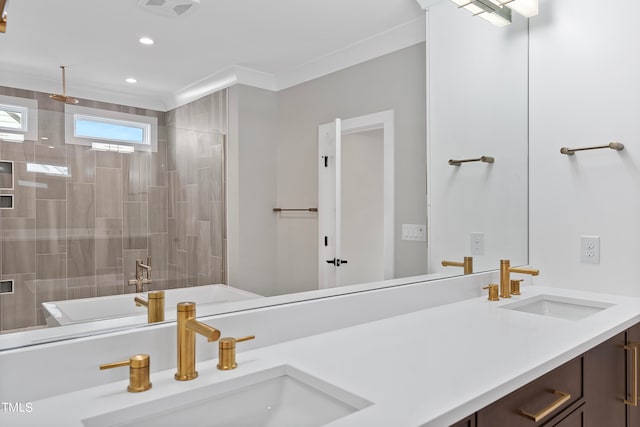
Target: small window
(18, 119)
(85, 126)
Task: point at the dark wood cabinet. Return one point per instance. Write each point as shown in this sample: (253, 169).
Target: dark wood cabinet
(604, 383)
(544, 398)
(467, 422)
(576, 418)
(589, 391)
(633, 412)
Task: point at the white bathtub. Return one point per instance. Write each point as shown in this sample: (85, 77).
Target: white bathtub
(88, 309)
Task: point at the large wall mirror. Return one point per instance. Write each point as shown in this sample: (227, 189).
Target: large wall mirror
(321, 173)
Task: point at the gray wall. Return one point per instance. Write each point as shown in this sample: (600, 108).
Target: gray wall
(282, 168)
(251, 159)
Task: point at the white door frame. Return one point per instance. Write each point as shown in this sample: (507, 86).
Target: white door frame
(383, 120)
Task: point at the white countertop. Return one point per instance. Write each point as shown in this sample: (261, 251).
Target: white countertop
(428, 368)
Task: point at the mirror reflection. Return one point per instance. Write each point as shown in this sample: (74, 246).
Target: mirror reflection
(245, 192)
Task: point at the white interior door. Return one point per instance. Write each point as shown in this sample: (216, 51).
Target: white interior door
(356, 191)
(329, 212)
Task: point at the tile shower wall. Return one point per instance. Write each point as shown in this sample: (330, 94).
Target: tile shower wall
(195, 201)
(79, 235)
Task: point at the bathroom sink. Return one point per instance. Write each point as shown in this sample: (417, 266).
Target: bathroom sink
(558, 306)
(278, 397)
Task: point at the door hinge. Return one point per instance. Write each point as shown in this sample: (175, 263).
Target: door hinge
(326, 161)
(326, 240)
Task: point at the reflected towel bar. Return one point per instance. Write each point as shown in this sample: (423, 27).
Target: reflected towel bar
(485, 159)
(296, 210)
(571, 151)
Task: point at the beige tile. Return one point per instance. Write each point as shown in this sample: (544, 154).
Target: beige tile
(51, 266)
(108, 243)
(50, 290)
(82, 292)
(109, 281)
(192, 210)
(203, 250)
(50, 187)
(135, 176)
(158, 248)
(192, 261)
(172, 136)
(181, 227)
(205, 193)
(81, 210)
(49, 154)
(81, 264)
(172, 196)
(218, 173)
(24, 152)
(172, 238)
(18, 310)
(158, 210)
(51, 224)
(217, 270)
(107, 159)
(135, 227)
(51, 126)
(81, 161)
(158, 166)
(18, 246)
(181, 272)
(217, 228)
(108, 193)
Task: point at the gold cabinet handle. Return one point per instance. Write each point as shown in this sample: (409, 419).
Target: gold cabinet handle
(562, 399)
(635, 349)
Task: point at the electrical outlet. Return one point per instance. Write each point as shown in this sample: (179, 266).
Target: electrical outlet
(590, 249)
(477, 243)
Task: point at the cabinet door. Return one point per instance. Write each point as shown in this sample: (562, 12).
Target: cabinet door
(574, 419)
(633, 337)
(467, 422)
(604, 383)
(545, 397)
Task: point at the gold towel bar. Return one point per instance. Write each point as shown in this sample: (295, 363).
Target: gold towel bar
(295, 210)
(613, 145)
(484, 159)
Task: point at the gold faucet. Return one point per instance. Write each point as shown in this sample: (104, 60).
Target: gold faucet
(138, 372)
(187, 327)
(505, 280)
(467, 264)
(140, 280)
(154, 304)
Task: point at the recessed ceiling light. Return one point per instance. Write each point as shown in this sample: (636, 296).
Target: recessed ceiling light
(146, 40)
(131, 80)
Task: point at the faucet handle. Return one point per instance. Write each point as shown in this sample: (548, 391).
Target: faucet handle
(515, 286)
(138, 371)
(227, 352)
(493, 292)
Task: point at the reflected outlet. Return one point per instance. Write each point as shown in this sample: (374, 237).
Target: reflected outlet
(477, 244)
(590, 249)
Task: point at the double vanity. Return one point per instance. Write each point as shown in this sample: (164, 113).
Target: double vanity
(436, 353)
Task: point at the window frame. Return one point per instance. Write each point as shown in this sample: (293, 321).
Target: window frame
(149, 125)
(29, 110)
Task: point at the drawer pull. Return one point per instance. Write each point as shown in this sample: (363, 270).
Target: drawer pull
(562, 399)
(635, 349)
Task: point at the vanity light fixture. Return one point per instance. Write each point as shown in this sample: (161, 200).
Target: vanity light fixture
(498, 12)
(3, 15)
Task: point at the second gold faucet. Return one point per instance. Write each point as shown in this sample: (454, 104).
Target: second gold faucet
(505, 276)
(188, 326)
